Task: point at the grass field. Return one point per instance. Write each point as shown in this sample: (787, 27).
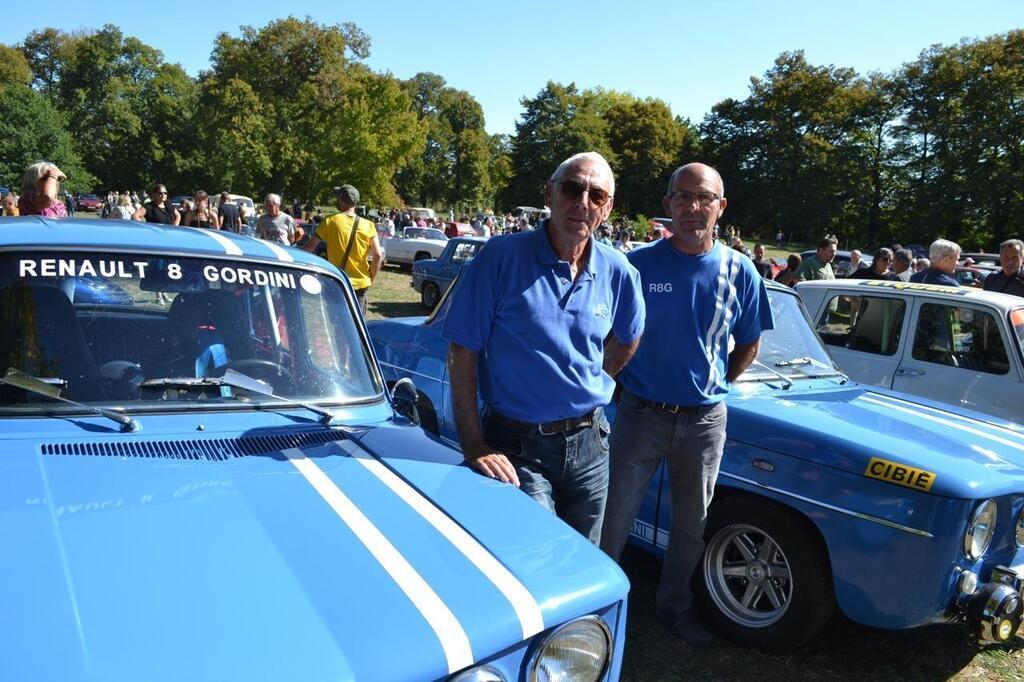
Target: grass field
(844, 651)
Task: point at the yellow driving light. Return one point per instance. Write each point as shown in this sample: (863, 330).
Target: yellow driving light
(1005, 629)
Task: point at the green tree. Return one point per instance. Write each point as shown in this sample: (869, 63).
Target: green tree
(558, 122)
(33, 130)
(647, 141)
(14, 68)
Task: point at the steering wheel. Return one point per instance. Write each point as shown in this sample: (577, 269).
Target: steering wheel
(262, 369)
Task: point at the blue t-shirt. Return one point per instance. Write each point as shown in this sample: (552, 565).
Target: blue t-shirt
(694, 304)
(934, 276)
(540, 336)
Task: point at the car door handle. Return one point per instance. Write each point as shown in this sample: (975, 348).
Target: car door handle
(909, 372)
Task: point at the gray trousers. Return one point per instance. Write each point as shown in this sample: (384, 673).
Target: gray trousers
(692, 444)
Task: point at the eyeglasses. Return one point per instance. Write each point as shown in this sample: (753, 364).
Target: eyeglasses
(683, 197)
(162, 194)
(573, 191)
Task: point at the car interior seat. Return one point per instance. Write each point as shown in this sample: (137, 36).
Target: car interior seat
(42, 337)
(204, 332)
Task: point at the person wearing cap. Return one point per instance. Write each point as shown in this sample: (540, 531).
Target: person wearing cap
(352, 243)
(544, 319)
(707, 306)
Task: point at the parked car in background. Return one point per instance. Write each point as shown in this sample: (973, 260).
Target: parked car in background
(990, 260)
(414, 244)
(178, 202)
(246, 206)
(455, 229)
(421, 212)
(956, 345)
(431, 277)
(88, 202)
(841, 263)
(973, 275)
(211, 480)
(831, 494)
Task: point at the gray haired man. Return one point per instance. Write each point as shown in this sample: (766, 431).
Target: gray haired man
(275, 225)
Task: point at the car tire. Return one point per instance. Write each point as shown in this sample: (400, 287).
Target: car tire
(430, 295)
(772, 597)
(422, 255)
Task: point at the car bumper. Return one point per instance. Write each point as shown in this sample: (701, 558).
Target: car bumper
(993, 610)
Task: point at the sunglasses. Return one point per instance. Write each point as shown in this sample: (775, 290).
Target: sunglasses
(573, 191)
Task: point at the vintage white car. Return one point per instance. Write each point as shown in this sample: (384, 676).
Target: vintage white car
(416, 243)
(956, 345)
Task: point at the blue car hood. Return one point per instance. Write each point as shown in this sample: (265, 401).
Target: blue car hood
(845, 427)
(293, 563)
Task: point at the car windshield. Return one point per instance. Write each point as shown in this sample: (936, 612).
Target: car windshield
(116, 328)
(792, 348)
(424, 233)
(1017, 322)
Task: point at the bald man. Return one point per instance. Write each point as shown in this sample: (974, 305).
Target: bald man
(545, 318)
(698, 294)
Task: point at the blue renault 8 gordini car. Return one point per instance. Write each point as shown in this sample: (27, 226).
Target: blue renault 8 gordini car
(897, 510)
(206, 478)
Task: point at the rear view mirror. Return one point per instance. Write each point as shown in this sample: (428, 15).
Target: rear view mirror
(404, 397)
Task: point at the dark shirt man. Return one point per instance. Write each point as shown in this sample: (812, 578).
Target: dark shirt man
(228, 216)
(698, 294)
(545, 319)
(763, 267)
(943, 256)
(1010, 279)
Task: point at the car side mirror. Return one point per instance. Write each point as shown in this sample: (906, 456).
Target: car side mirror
(404, 397)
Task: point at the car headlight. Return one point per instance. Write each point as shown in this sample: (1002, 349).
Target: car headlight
(482, 674)
(1019, 529)
(980, 529)
(578, 650)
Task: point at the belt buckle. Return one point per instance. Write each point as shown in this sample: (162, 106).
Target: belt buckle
(671, 409)
(556, 425)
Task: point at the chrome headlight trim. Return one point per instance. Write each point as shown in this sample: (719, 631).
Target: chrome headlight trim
(980, 529)
(483, 673)
(591, 620)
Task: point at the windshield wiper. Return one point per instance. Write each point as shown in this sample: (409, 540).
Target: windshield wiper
(789, 382)
(237, 380)
(27, 382)
(796, 362)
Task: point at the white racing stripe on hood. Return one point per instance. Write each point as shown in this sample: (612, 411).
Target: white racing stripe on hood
(442, 621)
(530, 618)
(278, 252)
(921, 414)
(949, 414)
(230, 248)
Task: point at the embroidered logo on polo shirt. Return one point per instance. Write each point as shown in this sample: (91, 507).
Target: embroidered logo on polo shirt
(601, 311)
(660, 287)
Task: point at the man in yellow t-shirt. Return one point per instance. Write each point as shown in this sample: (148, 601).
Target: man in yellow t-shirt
(352, 243)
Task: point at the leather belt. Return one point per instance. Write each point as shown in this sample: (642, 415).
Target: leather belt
(668, 408)
(545, 428)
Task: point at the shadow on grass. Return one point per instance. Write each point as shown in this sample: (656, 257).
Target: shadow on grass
(378, 309)
(843, 651)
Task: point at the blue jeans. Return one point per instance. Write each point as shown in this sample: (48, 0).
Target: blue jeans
(566, 472)
(692, 443)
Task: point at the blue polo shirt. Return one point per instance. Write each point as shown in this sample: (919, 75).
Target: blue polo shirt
(539, 336)
(694, 304)
(934, 276)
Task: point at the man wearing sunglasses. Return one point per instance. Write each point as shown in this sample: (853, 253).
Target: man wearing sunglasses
(545, 318)
(699, 293)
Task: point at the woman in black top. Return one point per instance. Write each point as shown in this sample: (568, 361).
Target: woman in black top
(202, 215)
(158, 210)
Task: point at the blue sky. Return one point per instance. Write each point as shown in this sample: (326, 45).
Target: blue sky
(691, 55)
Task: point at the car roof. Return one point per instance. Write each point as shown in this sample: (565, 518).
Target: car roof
(36, 232)
(1004, 302)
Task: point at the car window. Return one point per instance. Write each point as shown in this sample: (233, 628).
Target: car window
(463, 253)
(792, 338)
(99, 325)
(1017, 324)
(865, 323)
(962, 337)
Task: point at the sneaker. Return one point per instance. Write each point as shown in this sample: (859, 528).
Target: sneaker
(687, 628)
